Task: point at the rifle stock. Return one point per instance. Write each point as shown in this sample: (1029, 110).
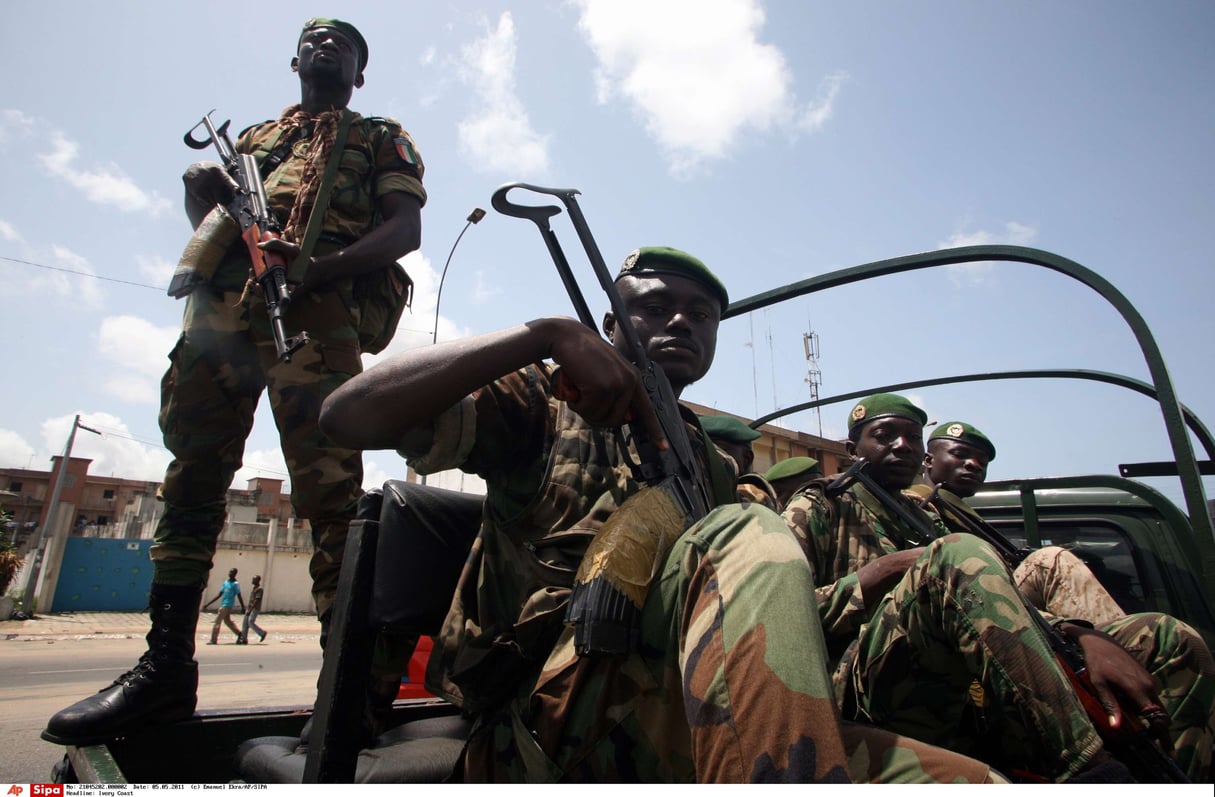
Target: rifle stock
(250, 208)
(613, 579)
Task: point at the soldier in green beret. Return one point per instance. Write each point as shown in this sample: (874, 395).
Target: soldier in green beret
(728, 682)
(734, 437)
(912, 622)
(1173, 671)
(790, 475)
(225, 358)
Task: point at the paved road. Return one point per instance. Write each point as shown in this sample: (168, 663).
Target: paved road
(40, 676)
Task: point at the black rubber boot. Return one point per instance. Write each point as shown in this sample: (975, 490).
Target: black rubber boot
(161, 688)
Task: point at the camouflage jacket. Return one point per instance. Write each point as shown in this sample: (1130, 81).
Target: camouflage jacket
(839, 536)
(755, 489)
(379, 158)
(552, 480)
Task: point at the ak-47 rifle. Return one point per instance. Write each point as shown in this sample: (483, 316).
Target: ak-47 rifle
(614, 577)
(257, 224)
(1132, 745)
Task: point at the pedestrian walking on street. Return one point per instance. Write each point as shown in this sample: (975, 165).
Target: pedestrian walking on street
(229, 593)
(255, 608)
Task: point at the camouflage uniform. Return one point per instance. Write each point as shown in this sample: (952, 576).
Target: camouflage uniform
(1057, 582)
(225, 358)
(907, 663)
(755, 489)
(729, 682)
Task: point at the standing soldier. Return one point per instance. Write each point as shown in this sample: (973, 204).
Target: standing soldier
(226, 356)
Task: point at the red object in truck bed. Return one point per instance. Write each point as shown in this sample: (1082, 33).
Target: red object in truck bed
(413, 682)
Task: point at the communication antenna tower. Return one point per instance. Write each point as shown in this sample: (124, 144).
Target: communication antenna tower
(814, 377)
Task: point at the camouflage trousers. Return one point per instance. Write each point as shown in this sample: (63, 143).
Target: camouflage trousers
(1056, 581)
(223, 361)
(730, 684)
(954, 618)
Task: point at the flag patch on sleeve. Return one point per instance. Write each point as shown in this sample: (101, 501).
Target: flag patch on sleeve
(407, 150)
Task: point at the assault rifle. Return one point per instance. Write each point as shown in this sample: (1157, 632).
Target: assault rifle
(1132, 745)
(611, 584)
(249, 207)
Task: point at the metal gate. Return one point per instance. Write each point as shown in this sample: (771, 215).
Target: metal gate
(103, 575)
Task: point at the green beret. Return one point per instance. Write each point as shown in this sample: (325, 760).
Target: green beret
(884, 405)
(350, 31)
(793, 466)
(727, 427)
(665, 260)
(964, 433)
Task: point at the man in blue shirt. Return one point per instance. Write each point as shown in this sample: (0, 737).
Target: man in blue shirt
(229, 593)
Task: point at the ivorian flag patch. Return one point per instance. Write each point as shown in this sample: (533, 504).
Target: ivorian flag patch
(407, 150)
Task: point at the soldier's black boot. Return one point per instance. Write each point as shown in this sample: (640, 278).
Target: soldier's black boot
(161, 688)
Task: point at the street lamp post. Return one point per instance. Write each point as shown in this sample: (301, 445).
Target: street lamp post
(474, 217)
(52, 512)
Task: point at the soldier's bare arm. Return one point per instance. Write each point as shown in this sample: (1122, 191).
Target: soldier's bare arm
(398, 399)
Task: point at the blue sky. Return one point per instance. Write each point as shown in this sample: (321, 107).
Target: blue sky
(776, 140)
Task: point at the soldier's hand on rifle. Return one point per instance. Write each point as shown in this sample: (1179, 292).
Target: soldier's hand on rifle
(285, 248)
(1123, 685)
(600, 384)
(207, 185)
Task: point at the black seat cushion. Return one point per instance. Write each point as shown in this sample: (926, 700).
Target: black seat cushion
(422, 751)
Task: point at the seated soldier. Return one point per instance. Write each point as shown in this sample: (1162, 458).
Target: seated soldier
(734, 437)
(914, 621)
(790, 475)
(1167, 658)
(728, 682)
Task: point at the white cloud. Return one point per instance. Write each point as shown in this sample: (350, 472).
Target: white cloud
(155, 269)
(981, 273)
(55, 275)
(1014, 233)
(114, 452)
(13, 125)
(374, 474)
(14, 451)
(103, 185)
(64, 283)
(136, 343)
(697, 74)
(497, 136)
(138, 352)
(267, 463)
(484, 291)
(818, 113)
